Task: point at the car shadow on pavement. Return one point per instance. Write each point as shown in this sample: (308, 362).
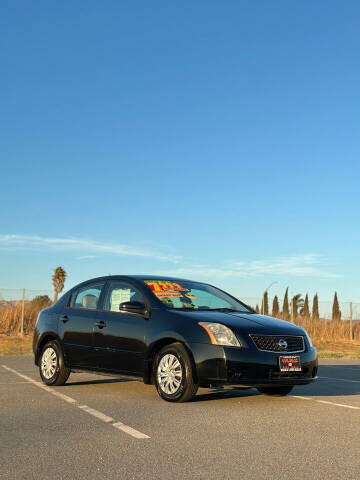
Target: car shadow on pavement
(333, 382)
(101, 381)
(222, 393)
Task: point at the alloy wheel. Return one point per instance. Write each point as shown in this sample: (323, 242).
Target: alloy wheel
(49, 363)
(169, 374)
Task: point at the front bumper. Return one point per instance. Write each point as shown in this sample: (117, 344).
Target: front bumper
(216, 365)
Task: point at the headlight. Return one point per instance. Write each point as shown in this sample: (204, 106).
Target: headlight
(308, 338)
(220, 334)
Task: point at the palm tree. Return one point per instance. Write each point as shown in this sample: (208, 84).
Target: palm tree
(58, 280)
(297, 303)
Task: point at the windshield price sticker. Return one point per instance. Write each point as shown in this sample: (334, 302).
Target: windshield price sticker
(168, 293)
(166, 289)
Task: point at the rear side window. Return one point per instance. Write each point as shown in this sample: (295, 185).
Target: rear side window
(87, 297)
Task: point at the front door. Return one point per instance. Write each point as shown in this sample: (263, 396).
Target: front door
(77, 324)
(119, 337)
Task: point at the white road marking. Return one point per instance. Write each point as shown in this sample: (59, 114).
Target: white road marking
(41, 385)
(91, 411)
(96, 413)
(326, 402)
(12, 383)
(131, 431)
(342, 379)
(28, 379)
(342, 366)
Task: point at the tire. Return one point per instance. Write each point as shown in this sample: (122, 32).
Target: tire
(275, 391)
(174, 375)
(52, 366)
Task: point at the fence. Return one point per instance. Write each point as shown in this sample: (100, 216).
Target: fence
(323, 329)
(19, 309)
(349, 310)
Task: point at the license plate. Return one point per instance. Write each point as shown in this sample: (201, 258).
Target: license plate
(290, 363)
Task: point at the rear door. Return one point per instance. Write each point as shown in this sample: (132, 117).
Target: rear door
(119, 337)
(77, 324)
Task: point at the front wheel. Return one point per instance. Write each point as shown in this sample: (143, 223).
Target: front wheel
(174, 376)
(275, 391)
(52, 367)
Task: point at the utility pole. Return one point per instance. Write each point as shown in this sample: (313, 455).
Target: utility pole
(22, 312)
(351, 326)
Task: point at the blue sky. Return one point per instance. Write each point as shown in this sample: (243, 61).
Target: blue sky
(213, 140)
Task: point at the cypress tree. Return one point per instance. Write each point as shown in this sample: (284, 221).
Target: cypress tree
(257, 308)
(315, 308)
(275, 307)
(265, 305)
(306, 309)
(285, 309)
(294, 308)
(336, 314)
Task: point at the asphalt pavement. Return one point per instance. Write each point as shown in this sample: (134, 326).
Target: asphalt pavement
(99, 427)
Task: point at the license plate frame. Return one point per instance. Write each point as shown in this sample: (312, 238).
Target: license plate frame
(290, 363)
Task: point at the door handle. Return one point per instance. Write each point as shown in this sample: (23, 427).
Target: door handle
(64, 318)
(100, 324)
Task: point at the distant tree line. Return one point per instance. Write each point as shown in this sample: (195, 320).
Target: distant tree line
(297, 306)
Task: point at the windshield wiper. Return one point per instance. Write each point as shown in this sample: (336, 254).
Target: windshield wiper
(222, 310)
(185, 308)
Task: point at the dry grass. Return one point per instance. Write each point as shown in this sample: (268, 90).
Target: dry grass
(15, 344)
(324, 331)
(340, 349)
(18, 345)
(10, 317)
(331, 338)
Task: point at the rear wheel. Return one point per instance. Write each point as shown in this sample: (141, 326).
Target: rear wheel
(52, 367)
(275, 391)
(173, 373)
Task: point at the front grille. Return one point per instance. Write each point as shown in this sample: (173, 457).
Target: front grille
(270, 343)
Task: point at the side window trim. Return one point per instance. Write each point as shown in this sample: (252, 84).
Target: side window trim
(103, 296)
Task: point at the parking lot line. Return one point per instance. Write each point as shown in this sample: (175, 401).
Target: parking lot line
(13, 383)
(326, 402)
(91, 411)
(131, 431)
(97, 414)
(341, 379)
(344, 367)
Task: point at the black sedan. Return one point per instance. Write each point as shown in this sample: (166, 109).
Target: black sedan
(176, 334)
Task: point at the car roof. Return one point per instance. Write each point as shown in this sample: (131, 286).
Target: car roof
(137, 278)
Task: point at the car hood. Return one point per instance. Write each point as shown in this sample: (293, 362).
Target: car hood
(247, 322)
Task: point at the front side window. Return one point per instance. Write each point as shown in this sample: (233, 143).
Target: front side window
(119, 292)
(87, 297)
(185, 295)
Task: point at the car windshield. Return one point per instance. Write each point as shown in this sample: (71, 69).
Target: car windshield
(186, 295)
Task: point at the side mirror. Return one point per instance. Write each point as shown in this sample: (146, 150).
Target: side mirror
(134, 307)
